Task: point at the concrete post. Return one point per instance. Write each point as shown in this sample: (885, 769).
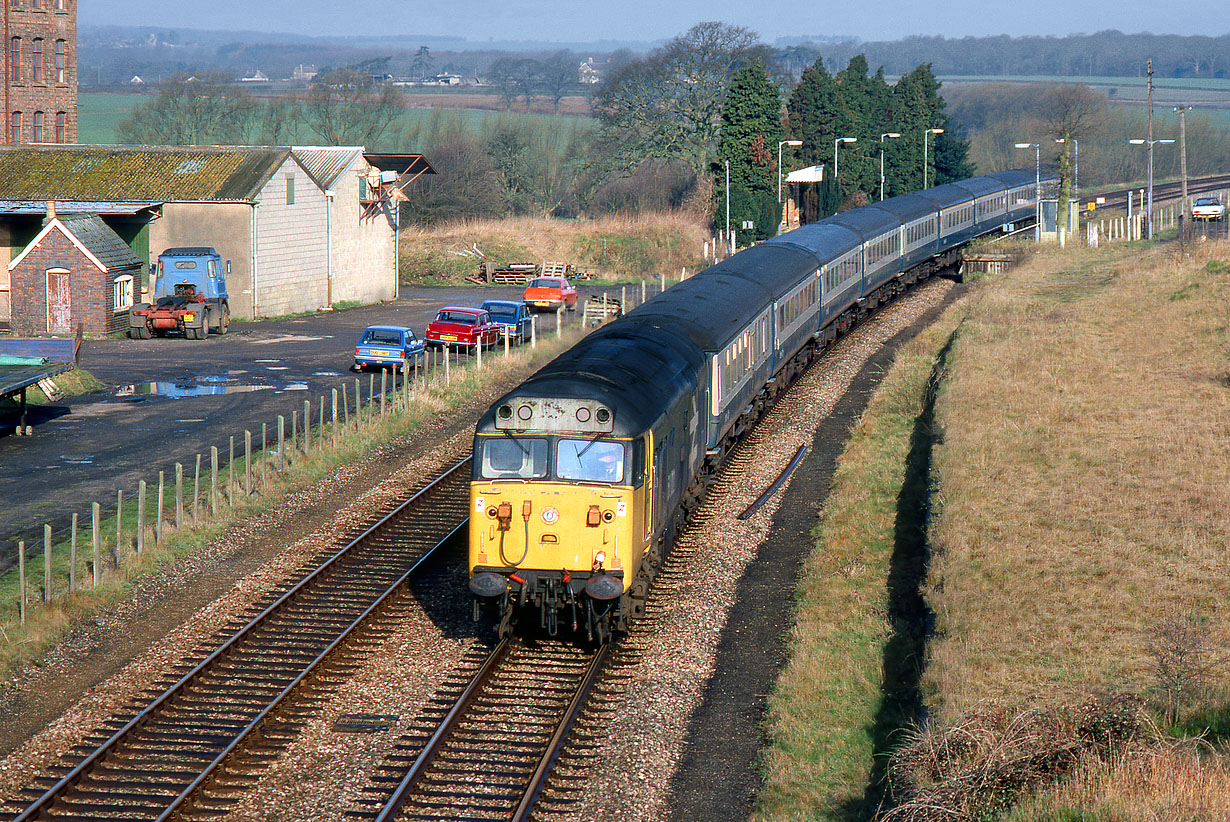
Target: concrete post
(96, 514)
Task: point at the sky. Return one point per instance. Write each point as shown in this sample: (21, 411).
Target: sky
(651, 20)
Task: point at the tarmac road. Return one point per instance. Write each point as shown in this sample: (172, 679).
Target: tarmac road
(169, 399)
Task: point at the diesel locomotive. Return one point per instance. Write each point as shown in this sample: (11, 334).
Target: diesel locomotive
(583, 472)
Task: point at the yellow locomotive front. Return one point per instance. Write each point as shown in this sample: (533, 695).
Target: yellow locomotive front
(558, 515)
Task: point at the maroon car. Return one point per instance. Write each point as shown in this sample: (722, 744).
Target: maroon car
(462, 326)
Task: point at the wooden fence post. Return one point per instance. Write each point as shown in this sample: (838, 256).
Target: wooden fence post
(72, 559)
(158, 521)
(46, 563)
(21, 578)
(179, 495)
(307, 427)
(196, 490)
(333, 427)
(384, 390)
(281, 444)
(213, 480)
(247, 462)
(119, 522)
(230, 473)
(140, 516)
(96, 513)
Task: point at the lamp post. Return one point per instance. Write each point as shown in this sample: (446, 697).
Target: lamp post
(729, 245)
(837, 179)
(1150, 144)
(882, 136)
(1076, 163)
(925, 133)
(781, 143)
(1037, 187)
(1182, 112)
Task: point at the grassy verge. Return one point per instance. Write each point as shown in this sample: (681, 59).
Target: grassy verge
(121, 566)
(611, 248)
(832, 714)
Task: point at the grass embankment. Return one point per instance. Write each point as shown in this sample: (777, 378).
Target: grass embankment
(1078, 571)
(121, 567)
(611, 248)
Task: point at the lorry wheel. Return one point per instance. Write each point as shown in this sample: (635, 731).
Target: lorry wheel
(226, 321)
(139, 332)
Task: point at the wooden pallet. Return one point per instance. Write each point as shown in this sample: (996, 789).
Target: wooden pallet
(600, 308)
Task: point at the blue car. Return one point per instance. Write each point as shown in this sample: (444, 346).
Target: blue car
(388, 345)
(513, 317)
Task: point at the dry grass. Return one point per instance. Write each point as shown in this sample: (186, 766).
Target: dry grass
(1085, 475)
(614, 248)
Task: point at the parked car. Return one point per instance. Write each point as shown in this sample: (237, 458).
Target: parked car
(513, 318)
(1208, 208)
(549, 293)
(462, 325)
(386, 345)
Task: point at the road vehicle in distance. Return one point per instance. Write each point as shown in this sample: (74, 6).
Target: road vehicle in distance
(462, 326)
(549, 294)
(513, 317)
(388, 345)
(1208, 208)
(189, 296)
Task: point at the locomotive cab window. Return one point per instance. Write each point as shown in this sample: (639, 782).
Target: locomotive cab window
(514, 458)
(589, 460)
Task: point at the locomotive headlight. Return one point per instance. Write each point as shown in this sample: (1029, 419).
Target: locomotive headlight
(600, 558)
(550, 515)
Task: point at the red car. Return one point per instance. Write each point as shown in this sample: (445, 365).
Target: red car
(458, 325)
(549, 293)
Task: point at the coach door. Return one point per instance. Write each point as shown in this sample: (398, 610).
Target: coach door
(59, 302)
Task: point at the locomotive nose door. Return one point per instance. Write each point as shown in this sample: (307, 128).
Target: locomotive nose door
(650, 485)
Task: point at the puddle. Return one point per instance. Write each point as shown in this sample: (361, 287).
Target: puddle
(202, 386)
(78, 459)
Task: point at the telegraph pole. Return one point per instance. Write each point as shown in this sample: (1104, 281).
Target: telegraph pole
(1182, 110)
(1149, 214)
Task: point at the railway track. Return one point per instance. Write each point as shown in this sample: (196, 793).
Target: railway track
(208, 734)
(486, 746)
(1117, 200)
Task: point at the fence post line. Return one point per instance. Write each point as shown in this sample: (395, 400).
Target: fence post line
(559, 322)
(533, 331)
(345, 407)
(333, 427)
(140, 516)
(213, 480)
(119, 522)
(358, 406)
(281, 444)
(47, 562)
(264, 455)
(448, 376)
(307, 427)
(247, 462)
(72, 559)
(158, 521)
(96, 514)
(196, 490)
(230, 472)
(478, 353)
(384, 389)
(371, 395)
(294, 429)
(320, 429)
(179, 495)
(21, 578)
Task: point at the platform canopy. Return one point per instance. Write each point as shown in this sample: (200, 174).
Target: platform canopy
(811, 174)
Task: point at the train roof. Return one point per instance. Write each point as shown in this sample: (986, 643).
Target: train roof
(1015, 177)
(906, 207)
(824, 240)
(867, 222)
(633, 367)
(981, 186)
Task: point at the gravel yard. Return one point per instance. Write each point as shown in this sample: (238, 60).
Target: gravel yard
(681, 744)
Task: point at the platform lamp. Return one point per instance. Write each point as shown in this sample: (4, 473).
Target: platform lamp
(1150, 144)
(781, 143)
(889, 134)
(925, 133)
(1037, 187)
(837, 179)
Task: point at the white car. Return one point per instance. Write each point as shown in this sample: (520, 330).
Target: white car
(1208, 208)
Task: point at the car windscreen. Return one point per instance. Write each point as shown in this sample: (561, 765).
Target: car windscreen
(375, 336)
(511, 457)
(504, 315)
(459, 317)
(544, 283)
(1207, 201)
(594, 460)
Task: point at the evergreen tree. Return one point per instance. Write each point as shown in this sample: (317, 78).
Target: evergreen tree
(751, 129)
(816, 116)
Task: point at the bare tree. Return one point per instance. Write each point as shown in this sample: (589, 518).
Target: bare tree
(502, 75)
(190, 110)
(558, 73)
(347, 108)
(1068, 113)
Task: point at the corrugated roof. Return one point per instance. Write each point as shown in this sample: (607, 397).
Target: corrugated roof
(110, 173)
(326, 164)
(102, 242)
(74, 207)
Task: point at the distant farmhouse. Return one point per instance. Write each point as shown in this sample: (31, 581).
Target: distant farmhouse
(304, 227)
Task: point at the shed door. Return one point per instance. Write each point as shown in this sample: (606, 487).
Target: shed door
(59, 305)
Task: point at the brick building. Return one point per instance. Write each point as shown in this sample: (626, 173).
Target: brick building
(40, 71)
(77, 270)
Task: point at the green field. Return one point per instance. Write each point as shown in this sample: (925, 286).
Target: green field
(99, 115)
(1214, 84)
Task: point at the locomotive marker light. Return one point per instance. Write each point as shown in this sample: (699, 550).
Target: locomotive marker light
(889, 134)
(1149, 207)
(925, 133)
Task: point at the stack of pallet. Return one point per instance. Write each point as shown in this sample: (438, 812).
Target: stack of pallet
(522, 273)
